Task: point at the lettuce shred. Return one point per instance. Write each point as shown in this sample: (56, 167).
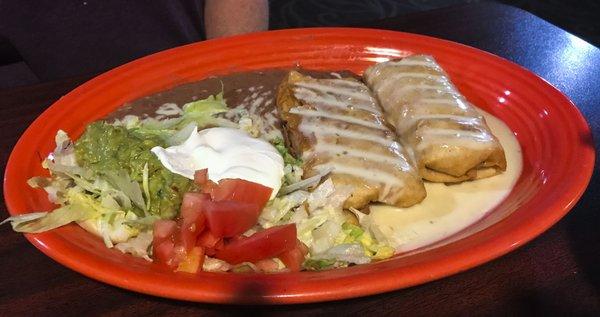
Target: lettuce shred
(174, 130)
(333, 240)
(83, 197)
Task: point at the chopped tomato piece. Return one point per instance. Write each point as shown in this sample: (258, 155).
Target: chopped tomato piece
(162, 242)
(163, 229)
(217, 247)
(163, 251)
(201, 177)
(239, 190)
(302, 247)
(230, 218)
(262, 245)
(210, 243)
(192, 203)
(168, 242)
(242, 191)
(192, 218)
(188, 237)
(227, 209)
(207, 239)
(220, 244)
(294, 258)
(192, 261)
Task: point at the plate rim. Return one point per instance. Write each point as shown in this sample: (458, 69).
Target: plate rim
(468, 261)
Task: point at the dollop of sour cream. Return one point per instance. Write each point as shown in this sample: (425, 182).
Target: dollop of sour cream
(226, 153)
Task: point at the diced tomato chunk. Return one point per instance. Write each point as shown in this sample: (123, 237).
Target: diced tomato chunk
(201, 177)
(219, 245)
(294, 258)
(230, 218)
(162, 242)
(242, 191)
(262, 245)
(192, 218)
(163, 229)
(209, 242)
(223, 210)
(302, 247)
(207, 239)
(163, 251)
(213, 251)
(188, 236)
(192, 203)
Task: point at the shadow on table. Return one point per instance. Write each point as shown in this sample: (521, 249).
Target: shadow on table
(583, 227)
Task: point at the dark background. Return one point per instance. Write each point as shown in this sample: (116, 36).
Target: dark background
(580, 17)
(577, 17)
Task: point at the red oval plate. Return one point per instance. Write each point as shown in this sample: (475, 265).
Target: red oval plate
(546, 123)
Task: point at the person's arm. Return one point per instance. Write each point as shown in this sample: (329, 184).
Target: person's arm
(232, 17)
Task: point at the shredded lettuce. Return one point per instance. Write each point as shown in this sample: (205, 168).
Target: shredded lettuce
(302, 184)
(257, 125)
(122, 182)
(292, 167)
(139, 246)
(180, 136)
(200, 113)
(215, 265)
(113, 227)
(273, 214)
(382, 248)
(288, 158)
(142, 224)
(346, 252)
(354, 234)
(321, 225)
(44, 221)
(322, 264)
(249, 125)
(85, 199)
(305, 228)
(324, 236)
(83, 209)
(324, 204)
(146, 186)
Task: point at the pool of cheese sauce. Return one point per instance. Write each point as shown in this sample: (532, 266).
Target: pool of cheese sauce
(448, 208)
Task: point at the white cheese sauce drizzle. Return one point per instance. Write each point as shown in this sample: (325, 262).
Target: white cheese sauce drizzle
(338, 114)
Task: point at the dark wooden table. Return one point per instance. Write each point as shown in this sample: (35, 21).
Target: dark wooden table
(558, 272)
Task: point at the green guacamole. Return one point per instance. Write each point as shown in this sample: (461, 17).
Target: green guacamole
(106, 148)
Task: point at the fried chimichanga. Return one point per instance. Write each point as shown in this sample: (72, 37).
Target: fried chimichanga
(450, 138)
(336, 124)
